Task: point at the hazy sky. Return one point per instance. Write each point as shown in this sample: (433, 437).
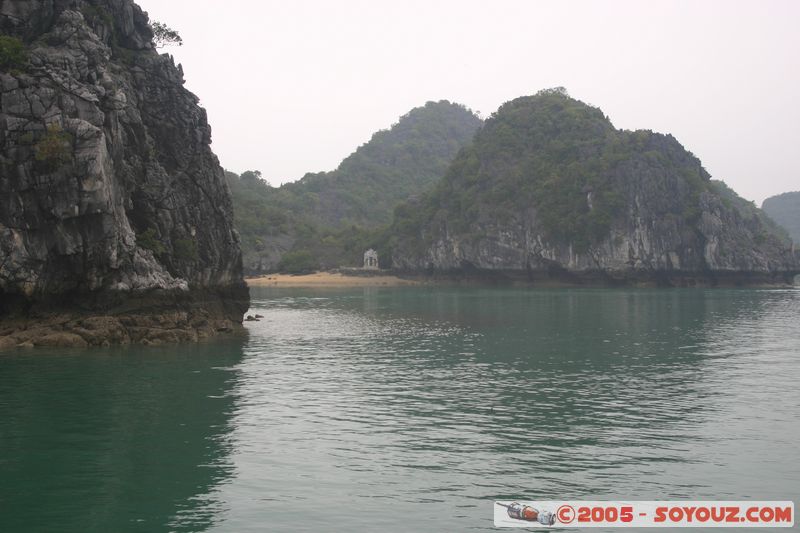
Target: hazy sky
(294, 86)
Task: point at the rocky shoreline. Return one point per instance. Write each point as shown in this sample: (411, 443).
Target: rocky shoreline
(604, 279)
(70, 331)
(155, 318)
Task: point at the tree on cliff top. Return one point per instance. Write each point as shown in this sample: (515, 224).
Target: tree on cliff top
(163, 35)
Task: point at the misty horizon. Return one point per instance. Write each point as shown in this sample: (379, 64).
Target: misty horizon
(313, 81)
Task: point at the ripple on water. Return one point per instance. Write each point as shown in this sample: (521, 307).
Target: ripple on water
(412, 409)
(437, 402)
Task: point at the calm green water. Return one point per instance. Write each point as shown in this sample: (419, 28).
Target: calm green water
(408, 410)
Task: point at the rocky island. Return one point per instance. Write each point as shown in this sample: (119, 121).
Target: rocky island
(551, 192)
(116, 223)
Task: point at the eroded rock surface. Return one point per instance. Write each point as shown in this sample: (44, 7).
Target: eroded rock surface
(112, 203)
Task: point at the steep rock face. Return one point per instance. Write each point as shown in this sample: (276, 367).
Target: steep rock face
(550, 190)
(109, 192)
(785, 210)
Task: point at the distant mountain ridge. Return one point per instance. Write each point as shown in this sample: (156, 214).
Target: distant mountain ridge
(550, 190)
(326, 219)
(785, 210)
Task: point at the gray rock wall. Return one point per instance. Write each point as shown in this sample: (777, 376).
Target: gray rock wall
(109, 190)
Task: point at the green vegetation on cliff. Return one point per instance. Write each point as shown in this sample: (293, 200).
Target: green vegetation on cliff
(12, 54)
(557, 154)
(328, 219)
(549, 182)
(288, 240)
(54, 149)
(785, 210)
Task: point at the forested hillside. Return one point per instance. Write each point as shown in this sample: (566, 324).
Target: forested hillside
(785, 210)
(327, 219)
(550, 188)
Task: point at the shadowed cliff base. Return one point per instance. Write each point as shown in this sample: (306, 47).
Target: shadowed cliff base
(603, 279)
(554, 278)
(104, 319)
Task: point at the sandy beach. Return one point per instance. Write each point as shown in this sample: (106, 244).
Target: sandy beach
(328, 279)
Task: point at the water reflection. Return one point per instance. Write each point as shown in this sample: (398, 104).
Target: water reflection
(115, 440)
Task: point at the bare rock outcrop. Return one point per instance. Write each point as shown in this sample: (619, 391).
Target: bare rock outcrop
(112, 203)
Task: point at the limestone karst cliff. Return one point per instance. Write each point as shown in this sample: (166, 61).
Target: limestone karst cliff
(112, 203)
(551, 191)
